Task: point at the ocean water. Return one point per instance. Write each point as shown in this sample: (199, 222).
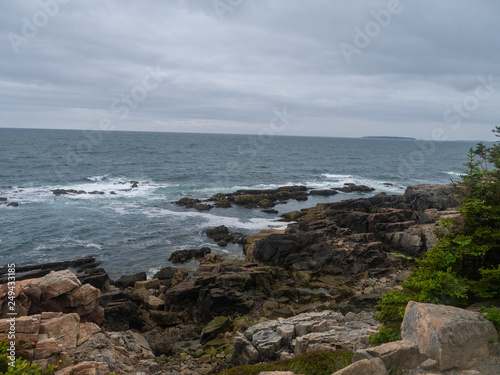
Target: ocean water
(137, 229)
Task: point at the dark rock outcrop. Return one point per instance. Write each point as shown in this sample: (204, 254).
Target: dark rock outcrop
(126, 281)
(40, 270)
(223, 236)
(182, 256)
(353, 188)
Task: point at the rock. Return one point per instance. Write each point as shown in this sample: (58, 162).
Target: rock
(222, 234)
(291, 216)
(267, 343)
(430, 365)
(423, 197)
(221, 200)
(373, 366)
(97, 278)
(203, 207)
(59, 291)
(155, 303)
(52, 337)
(58, 283)
(400, 354)
(3, 199)
(219, 324)
(127, 281)
(170, 276)
(324, 193)
(246, 351)
(188, 202)
(124, 315)
(67, 191)
(86, 368)
(454, 337)
(182, 256)
(352, 188)
(147, 284)
(300, 334)
(166, 318)
(40, 270)
(13, 204)
(270, 211)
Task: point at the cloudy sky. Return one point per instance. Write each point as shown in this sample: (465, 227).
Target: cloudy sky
(421, 68)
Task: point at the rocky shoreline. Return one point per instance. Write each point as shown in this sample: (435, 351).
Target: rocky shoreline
(312, 286)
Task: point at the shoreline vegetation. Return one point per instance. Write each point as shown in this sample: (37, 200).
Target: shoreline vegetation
(301, 293)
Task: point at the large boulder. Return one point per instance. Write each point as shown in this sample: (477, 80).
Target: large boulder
(454, 337)
(422, 197)
(58, 338)
(59, 291)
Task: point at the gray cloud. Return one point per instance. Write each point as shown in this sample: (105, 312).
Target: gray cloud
(226, 74)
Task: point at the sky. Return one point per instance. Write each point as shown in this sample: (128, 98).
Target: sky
(418, 68)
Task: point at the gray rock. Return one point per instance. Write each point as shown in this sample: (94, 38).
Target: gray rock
(454, 337)
(400, 354)
(373, 366)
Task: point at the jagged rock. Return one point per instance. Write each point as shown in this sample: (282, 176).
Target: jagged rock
(98, 278)
(86, 368)
(400, 354)
(423, 197)
(13, 204)
(219, 324)
(301, 334)
(222, 236)
(267, 198)
(203, 207)
(188, 202)
(373, 366)
(40, 270)
(127, 281)
(59, 291)
(148, 284)
(221, 200)
(182, 256)
(324, 193)
(352, 188)
(454, 337)
(68, 191)
(48, 338)
(170, 276)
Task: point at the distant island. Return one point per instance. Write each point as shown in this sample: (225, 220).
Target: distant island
(387, 137)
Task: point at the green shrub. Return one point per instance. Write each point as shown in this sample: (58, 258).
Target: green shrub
(316, 363)
(387, 333)
(464, 266)
(21, 367)
(493, 315)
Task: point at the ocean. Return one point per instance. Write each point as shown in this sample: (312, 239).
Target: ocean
(136, 229)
